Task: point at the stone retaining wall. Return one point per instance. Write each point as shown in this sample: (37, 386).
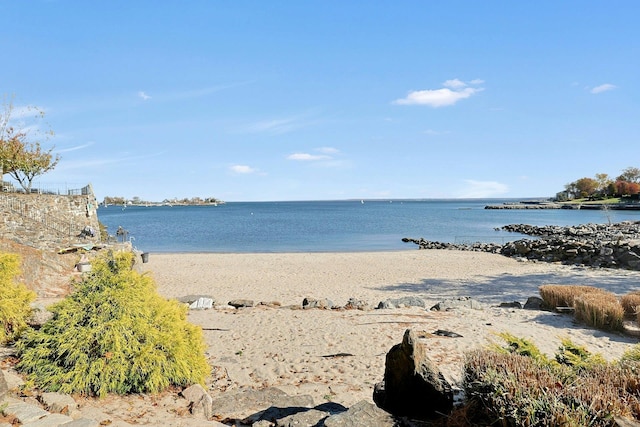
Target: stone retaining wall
(48, 222)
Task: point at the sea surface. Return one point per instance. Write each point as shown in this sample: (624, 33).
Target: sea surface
(330, 226)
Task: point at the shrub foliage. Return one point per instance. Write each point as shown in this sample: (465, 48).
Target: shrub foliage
(512, 387)
(15, 299)
(114, 334)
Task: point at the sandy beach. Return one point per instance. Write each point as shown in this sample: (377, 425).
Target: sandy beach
(339, 355)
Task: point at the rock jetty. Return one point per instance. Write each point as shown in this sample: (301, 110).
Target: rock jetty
(598, 245)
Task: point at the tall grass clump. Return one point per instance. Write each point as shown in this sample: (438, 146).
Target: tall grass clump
(599, 310)
(576, 388)
(15, 299)
(114, 334)
(631, 303)
(564, 295)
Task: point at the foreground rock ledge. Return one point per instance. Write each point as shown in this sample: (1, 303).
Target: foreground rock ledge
(413, 385)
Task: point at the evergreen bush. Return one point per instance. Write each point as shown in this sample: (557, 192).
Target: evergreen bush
(114, 334)
(15, 299)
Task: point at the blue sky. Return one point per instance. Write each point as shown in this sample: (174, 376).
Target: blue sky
(311, 100)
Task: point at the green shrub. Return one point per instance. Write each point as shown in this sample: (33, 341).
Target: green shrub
(577, 357)
(15, 299)
(520, 346)
(114, 334)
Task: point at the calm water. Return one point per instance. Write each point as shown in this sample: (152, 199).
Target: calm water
(327, 226)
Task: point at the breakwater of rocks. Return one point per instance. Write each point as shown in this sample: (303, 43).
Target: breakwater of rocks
(598, 245)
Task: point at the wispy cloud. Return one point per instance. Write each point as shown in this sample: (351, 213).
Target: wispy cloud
(308, 157)
(280, 125)
(104, 161)
(453, 91)
(603, 88)
(326, 153)
(482, 189)
(242, 169)
(203, 91)
(143, 95)
(76, 148)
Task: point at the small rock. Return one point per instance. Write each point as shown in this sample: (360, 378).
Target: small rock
(58, 403)
(514, 304)
(534, 303)
(241, 303)
(316, 303)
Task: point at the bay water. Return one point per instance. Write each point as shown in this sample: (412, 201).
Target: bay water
(331, 226)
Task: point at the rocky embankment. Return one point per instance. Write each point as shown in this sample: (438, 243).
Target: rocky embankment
(597, 245)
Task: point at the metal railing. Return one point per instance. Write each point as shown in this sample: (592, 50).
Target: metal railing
(27, 211)
(52, 189)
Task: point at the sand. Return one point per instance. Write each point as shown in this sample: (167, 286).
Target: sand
(339, 355)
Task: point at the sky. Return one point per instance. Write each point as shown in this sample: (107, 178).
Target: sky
(326, 100)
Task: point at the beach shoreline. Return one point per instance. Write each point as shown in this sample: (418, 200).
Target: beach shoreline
(278, 344)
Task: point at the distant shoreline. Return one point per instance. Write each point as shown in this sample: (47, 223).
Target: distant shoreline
(567, 205)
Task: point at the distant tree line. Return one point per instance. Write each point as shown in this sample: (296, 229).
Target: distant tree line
(117, 200)
(627, 184)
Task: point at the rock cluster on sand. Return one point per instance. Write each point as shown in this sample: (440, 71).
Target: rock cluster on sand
(597, 245)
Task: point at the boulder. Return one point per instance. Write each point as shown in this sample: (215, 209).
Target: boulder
(362, 413)
(356, 304)
(413, 385)
(249, 406)
(460, 302)
(402, 302)
(534, 303)
(58, 403)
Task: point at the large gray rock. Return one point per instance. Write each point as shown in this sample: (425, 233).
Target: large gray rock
(199, 401)
(58, 402)
(413, 385)
(401, 302)
(249, 406)
(460, 302)
(362, 414)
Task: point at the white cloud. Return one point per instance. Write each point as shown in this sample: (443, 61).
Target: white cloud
(482, 189)
(453, 91)
(308, 157)
(603, 88)
(143, 95)
(242, 169)
(454, 84)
